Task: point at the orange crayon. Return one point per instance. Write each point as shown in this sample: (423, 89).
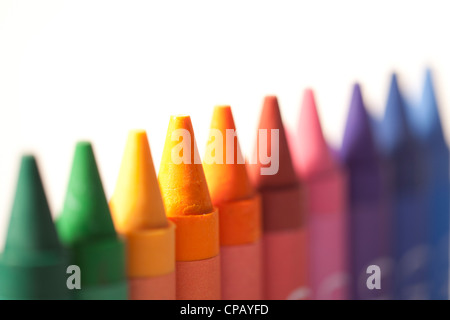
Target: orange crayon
(138, 213)
(239, 210)
(188, 204)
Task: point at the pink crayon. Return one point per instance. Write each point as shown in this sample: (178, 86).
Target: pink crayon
(326, 188)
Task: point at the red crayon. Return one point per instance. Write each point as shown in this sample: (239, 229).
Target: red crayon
(285, 256)
(326, 187)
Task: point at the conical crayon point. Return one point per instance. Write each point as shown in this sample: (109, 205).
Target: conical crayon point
(428, 75)
(358, 142)
(394, 80)
(33, 263)
(427, 120)
(85, 213)
(428, 88)
(136, 203)
(316, 156)
(394, 97)
(227, 180)
(273, 165)
(181, 177)
(222, 118)
(31, 229)
(395, 128)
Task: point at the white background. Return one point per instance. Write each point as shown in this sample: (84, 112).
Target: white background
(72, 70)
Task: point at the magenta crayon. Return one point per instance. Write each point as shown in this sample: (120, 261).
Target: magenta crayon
(326, 188)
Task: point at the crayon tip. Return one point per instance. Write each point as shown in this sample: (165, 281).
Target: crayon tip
(316, 156)
(31, 229)
(358, 142)
(270, 119)
(395, 130)
(394, 80)
(181, 177)
(228, 180)
(136, 203)
(85, 215)
(428, 75)
(427, 118)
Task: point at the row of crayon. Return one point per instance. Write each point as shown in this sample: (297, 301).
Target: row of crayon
(223, 230)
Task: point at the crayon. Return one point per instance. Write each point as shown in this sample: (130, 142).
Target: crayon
(326, 186)
(239, 210)
(138, 214)
(85, 227)
(410, 222)
(428, 130)
(188, 204)
(369, 218)
(33, 263)
(284, 233)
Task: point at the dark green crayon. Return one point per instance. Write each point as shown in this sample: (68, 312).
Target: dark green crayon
(33, 264)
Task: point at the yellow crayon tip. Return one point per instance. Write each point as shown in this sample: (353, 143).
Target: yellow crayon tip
(136, 203)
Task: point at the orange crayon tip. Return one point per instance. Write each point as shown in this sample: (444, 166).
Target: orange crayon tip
(181, 177)
(227, 180)
(136, 203)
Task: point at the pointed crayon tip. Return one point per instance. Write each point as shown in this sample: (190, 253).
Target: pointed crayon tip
(315, 156)
(270, 121)
(394, 81)
(227, 180)
(395, 99)
(427, 120)
(181, 177)
(358, 143)
(31, 231)
(395, 131)
(136, 203)
(85, 215)
(428, 75)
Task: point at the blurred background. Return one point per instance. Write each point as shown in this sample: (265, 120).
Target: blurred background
(72, 70)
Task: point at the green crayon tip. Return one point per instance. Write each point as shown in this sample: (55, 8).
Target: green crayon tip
(85, 214)
(33, 264)
(85, 226)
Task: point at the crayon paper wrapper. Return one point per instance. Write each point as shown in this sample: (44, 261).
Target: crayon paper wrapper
(369, 246)
(328, 255)
(412, 250)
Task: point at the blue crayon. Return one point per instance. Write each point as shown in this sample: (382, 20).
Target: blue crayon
(428, 129)
(410, 223)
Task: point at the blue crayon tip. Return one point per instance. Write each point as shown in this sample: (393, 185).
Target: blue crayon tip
(425, 118)
(395, 131)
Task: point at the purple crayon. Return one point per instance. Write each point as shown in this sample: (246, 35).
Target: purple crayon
(371, 261)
